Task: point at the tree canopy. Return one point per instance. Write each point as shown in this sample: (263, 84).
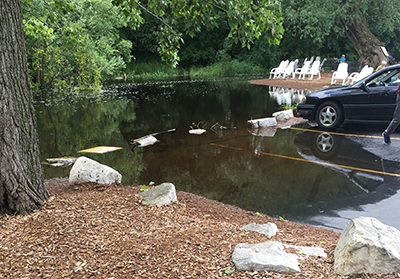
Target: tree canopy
(368, 24)
(74, 43)
(78, 42)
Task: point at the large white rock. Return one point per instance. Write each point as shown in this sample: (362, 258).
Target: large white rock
(164, 193)
(283, 115)
(367, 246)
(269, 229)
(262, 123)
(88, 170)
(264, 256)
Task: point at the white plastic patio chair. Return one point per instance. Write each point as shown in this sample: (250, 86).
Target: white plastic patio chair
(279, 74)
(311, 60)
(276, 72)
(290, 69)
(314, 71)
(322, 64)
(303, 70)
(340, 74)
(356, 76)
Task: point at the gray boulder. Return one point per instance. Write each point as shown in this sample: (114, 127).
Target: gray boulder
(88, 170)
(264, 256)
(164, 193)
(367, 246)
(269, 229)
(283, 115)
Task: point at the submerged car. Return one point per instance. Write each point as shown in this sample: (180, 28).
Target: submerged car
(371, 99)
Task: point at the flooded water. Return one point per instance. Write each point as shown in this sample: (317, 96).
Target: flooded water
(300, 173)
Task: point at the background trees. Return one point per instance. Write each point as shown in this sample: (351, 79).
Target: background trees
(80, 43)
(312, 27)
(74, 43)
(368, 24)
(84, 42)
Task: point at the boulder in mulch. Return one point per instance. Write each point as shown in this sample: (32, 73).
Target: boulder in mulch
(87, 170)
(367, 246)
(264, 256)
(162, 194)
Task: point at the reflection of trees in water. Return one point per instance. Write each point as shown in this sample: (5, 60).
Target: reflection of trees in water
(67, 126)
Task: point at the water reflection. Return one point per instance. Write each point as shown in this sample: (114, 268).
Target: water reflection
(256, 170)
(374, 177)
(287, 96)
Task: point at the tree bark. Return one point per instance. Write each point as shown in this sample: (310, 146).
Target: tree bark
(366, 44)
(22, 190)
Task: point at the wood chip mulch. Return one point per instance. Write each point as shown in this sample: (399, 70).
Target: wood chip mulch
(106, 231)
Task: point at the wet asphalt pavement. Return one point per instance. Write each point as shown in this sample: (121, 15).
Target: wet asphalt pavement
(362, 148)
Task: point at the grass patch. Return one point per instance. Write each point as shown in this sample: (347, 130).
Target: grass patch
(226, 69)
(156, 69)
(152, 69)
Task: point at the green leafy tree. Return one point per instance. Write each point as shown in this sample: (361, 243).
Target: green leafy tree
(21, 177)
(362, 21)
(74, 43)
(247, 20)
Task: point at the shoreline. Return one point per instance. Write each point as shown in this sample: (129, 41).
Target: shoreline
(312, 85)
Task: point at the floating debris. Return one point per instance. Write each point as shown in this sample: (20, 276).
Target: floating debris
(100, 149)
(197, 128)
(197, 131)
(148, 140)
(144, 141)
(218, 128)
(200, 125)
(61, 162)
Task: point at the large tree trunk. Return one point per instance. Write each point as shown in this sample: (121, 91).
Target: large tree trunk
(367, 45)
(21, 177)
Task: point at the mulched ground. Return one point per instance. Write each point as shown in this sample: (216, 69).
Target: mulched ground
(314, 84)
(106, 231)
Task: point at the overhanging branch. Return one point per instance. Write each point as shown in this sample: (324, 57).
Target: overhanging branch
(154, 15)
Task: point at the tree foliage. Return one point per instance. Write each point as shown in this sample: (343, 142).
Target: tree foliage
(247, 20)
(79, 43)
(317, 21)
(74, 43)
